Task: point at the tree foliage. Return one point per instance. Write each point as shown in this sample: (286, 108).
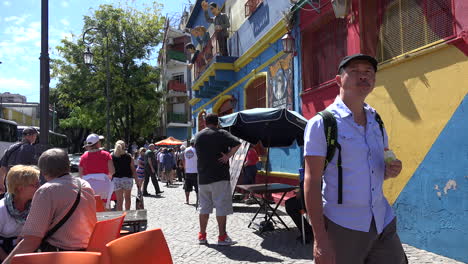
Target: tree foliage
(128, 37)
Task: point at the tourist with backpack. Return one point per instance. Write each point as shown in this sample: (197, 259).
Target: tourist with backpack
(344, 146)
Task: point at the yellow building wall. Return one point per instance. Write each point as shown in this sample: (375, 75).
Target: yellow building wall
(416, 97)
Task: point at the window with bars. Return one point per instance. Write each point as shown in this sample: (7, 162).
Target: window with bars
(178, 77)
(324, 47)
(407, 25)
(256, 94)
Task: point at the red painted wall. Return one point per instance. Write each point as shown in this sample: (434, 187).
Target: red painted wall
(461, 25)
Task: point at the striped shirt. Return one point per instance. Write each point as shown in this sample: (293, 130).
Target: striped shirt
(141, 167)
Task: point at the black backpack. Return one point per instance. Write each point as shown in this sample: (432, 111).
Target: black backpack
(331, 136)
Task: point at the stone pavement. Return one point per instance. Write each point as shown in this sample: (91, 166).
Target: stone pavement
(179, 223)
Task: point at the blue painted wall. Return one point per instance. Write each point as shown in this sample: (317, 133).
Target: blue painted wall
(432, 209)
(177, 132)
(259, 23)
(256, 26)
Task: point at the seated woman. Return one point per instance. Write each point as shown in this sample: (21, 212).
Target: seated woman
(22, 183)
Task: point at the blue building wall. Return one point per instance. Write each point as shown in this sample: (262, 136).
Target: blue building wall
(177, 132)
(268, 14)
(432, 209)
(256, 25)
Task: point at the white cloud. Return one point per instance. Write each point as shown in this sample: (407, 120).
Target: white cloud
(18, 20)
(15, 85)
(65, 22)
(24, 34)
(6, 3)
(64, 4)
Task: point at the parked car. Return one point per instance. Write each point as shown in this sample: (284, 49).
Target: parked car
(74, 161)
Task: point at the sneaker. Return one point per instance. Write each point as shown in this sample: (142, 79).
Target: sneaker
(202, 238)
(225, 240)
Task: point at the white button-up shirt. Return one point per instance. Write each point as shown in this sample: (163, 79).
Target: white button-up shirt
(362, 152)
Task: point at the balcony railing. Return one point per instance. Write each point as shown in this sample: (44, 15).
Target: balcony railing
(206, 55)
(176, 86)
(177, 118)
(176, 55)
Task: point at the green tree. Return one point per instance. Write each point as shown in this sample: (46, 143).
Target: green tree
(80, 94)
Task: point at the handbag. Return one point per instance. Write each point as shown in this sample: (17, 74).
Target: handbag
(139, 204)
(45, 246)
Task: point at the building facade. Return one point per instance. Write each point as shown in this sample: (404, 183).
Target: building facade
(421, 95)
(176, 121)
(256, 73)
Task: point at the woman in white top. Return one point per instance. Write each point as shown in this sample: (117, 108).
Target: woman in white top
(22, 183)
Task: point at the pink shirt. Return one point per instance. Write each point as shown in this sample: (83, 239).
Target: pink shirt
(95, 162)
(51, 203)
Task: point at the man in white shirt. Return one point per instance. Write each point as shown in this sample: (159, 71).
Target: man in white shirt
(191, 172)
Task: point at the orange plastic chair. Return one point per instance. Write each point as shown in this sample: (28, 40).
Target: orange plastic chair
(75, 257)
(99, 204)
(147, 247)
(104, 232)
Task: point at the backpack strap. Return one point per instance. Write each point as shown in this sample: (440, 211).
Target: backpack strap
(379, 121)
(331, 137)
(66, 217)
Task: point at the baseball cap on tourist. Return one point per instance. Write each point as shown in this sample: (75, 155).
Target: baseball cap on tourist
(30, 131)
(91, 140)
(350, 58)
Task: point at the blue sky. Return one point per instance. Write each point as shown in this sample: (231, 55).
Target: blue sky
(20, 36)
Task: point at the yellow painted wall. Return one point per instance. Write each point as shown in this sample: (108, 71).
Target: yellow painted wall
(236, 11)
(416, 97)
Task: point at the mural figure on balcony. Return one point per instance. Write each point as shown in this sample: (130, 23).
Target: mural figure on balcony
(221, 24)
(201, 35)
(190, 48)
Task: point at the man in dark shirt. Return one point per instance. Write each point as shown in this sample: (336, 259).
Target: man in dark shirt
(21, 153)
(151, 166)
(214, 147)
(221, 23)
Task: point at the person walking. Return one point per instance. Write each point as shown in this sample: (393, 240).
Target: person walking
(352, 220)
(250, 172)
(151, 167)
(191, 173)
(168, 164)
(124, 174)
(97, 168)
(140, 170)
(214, 147)
(180, 171)
(21, 153)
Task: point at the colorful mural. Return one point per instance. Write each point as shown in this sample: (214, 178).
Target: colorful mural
(280, 83)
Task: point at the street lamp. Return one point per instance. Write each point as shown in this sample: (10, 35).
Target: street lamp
(88, 60)
(88, 57)
(288, 43)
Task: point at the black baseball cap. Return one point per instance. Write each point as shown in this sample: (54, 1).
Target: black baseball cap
(349, 58)
(30, 131)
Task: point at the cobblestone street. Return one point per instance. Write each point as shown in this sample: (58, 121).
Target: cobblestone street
(179, 223)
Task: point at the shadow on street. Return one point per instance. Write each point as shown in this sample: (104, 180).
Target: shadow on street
(241, 253)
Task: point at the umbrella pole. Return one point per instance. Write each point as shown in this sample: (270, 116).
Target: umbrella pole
(266, 183)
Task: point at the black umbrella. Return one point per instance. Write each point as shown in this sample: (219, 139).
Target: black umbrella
(273, 127)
